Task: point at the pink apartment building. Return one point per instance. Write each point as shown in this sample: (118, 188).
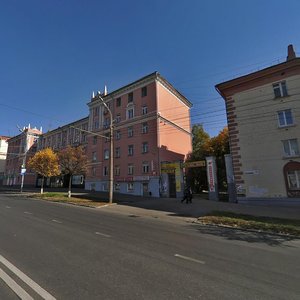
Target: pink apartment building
(152, 136)
(72, 134)
(20, 149)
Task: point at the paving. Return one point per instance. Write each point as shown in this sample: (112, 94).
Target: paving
(172, 207)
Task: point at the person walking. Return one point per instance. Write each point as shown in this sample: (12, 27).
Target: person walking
(187, 196)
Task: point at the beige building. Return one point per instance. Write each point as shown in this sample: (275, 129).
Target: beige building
(3, 153)
(263, 113)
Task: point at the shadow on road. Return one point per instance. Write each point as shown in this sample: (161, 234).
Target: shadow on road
(248, 236)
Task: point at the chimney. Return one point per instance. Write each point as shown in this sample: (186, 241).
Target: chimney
(291, 53)
(105, 90)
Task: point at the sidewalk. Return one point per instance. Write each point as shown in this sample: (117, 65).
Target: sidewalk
(173, 207)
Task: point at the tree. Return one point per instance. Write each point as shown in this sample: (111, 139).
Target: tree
(218, 146)
(196, 177)
(72, 161)
(204, 146)
(45, 163)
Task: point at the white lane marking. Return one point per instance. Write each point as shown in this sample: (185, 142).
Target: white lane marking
(27, 213)
(21, 293)
(55, 221)
(38, 289)
(7, 206)
(190, 259)
(102, 234)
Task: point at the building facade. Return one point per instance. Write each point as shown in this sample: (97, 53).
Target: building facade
(263, 114)
(151, 129)
(20, 149)
(72, 134)
(3, 153)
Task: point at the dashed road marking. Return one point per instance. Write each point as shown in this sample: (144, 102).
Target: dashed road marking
(56, 221)
(7, 207)
(102, 234)
(190, 259)
(27, 213)
(32, 284)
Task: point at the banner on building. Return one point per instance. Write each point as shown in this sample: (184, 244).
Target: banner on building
(211, 174)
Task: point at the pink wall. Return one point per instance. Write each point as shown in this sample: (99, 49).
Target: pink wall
(172, 109)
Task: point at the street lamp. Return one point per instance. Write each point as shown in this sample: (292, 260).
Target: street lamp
(111, 159)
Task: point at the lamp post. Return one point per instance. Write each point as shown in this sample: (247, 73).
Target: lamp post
(23, 167)
(111, 159)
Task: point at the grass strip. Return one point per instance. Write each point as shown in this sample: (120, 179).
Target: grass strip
(63, 198)
(269, 224)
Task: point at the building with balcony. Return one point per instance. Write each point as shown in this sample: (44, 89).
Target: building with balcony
(263, 114)
(19, 150)
(151, 129)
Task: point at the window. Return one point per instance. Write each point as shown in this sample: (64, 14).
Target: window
(130, 131)
(117, 170)
(294, 179)
(130, 169)
(106, 123)
(130, 150)
(130, 113)
(130, 186)
(96, 111)
(290, 147)
(96, 124)
(93, 171)
(107, 137)
(118, 134)
(94, 140)
(144, 91)
(280, 89)
(106, 154)
(146, 167)
(119, 101)
(117, 186)
(118, 118)
(144, 110)
(118, 152)
(145, 127)
(285, 118)
(145, 147)
(104, 187)
(94, 156)
(130, 97)
(105, 170)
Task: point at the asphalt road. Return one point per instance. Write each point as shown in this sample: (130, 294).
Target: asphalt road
(81, 253)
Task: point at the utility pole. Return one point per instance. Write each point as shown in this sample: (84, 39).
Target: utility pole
(111, 154)
(23, 167)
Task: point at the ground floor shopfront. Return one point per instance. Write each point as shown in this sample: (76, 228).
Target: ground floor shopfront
(169, 184)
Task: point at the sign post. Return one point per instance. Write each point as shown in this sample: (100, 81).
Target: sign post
(23, 171)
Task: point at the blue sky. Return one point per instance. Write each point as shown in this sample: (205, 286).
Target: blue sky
(55, 53)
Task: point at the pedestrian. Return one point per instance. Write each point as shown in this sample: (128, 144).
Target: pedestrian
(187, 196)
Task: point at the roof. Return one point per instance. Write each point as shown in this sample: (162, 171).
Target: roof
(154, 75)
(3, 137)
(66, 125)
(253, 79)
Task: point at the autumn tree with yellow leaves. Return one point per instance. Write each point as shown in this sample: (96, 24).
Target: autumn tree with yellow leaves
(45, 163)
